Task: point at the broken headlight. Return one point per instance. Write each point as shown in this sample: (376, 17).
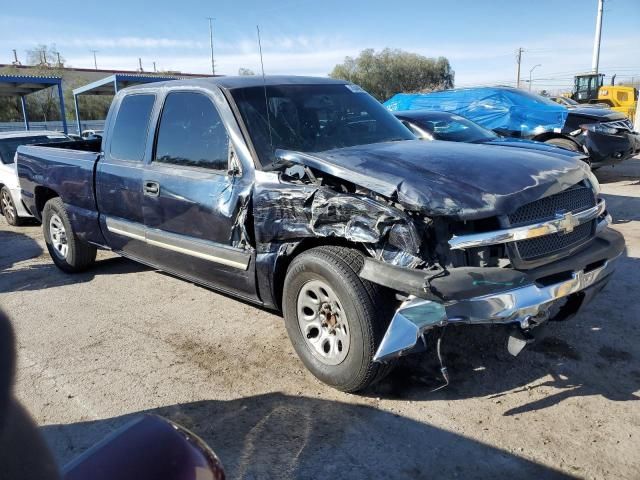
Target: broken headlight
(599, 128)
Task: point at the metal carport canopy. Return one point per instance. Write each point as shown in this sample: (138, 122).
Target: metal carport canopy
(112, 84)
(22, 85)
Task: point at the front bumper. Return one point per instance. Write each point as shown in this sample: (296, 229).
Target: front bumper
(607, 149)
(495, 296)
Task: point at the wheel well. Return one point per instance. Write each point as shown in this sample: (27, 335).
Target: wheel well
(543, 137)
(43, 195)
(283, 262)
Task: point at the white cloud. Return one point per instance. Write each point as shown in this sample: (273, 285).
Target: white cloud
(317, 63)
(475, 63)
(128, 43)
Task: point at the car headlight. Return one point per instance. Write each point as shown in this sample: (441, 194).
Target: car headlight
(599, 128)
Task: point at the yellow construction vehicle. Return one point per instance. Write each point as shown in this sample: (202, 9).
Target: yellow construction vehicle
(590, 88)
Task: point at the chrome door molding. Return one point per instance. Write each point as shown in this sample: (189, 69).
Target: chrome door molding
(211, 251)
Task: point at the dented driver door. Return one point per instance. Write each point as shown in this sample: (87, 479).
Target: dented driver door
(194, 202)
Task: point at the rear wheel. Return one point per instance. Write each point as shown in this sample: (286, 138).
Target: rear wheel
(69, 252)
(8, 208)
(334, 319)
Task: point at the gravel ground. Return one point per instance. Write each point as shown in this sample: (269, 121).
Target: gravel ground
(97, 348)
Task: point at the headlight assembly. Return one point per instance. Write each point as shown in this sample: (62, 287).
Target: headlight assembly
(599, 128)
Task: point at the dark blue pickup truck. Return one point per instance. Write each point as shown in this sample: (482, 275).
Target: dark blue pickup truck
(306, 196)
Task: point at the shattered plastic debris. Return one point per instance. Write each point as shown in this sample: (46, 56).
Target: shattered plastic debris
(303, 212)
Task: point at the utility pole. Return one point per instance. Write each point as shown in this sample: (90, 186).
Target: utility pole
(213, 65)
(140, 65)
(518, 61)
(15, 58)
(531, 74)
(95, 61)
(154, 68)
(596, 42)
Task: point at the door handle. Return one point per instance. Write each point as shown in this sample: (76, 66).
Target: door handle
(151, 189)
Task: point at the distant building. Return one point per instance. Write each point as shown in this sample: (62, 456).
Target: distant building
(90, 74)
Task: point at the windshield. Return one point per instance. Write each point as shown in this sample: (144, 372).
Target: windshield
(8, 146)
(533, 97)
(564, 101)
(314, 118)
(455, 129)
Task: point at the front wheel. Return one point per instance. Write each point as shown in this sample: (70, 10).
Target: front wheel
(68, 251)
(334, 319)
(564, 143)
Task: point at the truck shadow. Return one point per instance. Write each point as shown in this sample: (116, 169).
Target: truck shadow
(594, 353)
(16, 247)
(289, 437)
(46, 275)
(623, 209)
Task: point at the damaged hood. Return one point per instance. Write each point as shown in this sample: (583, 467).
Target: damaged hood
(438, 178)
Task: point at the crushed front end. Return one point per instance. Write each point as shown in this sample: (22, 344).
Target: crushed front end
(543, 262)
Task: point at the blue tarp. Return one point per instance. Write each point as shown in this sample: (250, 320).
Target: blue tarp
(505, 109)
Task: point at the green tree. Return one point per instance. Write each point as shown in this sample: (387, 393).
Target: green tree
(391, 71)
(245, 71)
(46, 60)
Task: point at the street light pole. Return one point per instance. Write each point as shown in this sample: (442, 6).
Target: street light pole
(595, 62)
(518, 61)
(531, 73)
(213, 66)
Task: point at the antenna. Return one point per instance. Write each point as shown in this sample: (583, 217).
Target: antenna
(213, 64)
(266, 101)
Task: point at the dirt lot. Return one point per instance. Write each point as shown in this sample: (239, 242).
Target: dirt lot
(97, 348)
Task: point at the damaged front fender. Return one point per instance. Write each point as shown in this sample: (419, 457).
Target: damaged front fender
(313, 210)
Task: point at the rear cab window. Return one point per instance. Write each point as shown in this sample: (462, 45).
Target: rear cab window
(129, 136)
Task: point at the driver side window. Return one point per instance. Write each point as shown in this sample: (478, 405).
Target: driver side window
(191, 133)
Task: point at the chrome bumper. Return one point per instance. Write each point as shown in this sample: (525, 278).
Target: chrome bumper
(525, 306)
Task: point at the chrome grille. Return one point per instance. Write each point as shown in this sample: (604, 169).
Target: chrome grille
(574, 199)
(535, 248)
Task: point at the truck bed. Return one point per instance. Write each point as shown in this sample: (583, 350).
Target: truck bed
(65, 169)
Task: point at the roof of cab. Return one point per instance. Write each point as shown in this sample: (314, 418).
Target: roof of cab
(244, 81)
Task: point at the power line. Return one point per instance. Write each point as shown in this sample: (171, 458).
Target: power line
(95, 62)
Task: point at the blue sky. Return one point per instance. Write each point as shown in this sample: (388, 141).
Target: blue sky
(309, 37)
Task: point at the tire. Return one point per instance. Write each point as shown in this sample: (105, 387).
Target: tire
(359, 315)
(564, 143)
(9, 209)
(69, 252)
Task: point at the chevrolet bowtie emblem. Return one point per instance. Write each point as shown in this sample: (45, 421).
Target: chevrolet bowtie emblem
(567, 222)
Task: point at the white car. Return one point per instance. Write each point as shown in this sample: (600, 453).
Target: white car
(11, 204)
(92, 134)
